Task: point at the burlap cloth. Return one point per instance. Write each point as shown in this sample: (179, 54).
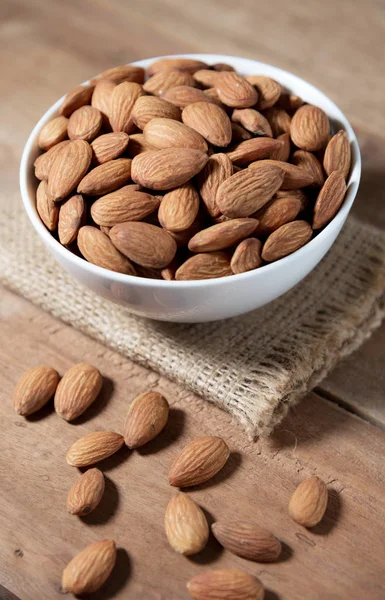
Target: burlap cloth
(255, 366)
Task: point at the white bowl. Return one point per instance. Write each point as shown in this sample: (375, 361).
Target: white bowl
(207, 300)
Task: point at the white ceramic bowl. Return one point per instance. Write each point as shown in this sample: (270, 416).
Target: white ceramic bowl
(208, 300)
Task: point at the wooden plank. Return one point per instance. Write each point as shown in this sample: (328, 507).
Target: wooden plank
(342, 558)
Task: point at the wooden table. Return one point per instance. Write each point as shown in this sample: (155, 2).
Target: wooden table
(47, 47)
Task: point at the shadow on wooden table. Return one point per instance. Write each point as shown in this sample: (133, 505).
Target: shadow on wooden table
(173, 430)
(213, 549)
(100, 403)
(106, 508)
(118, 578)
(332, 514)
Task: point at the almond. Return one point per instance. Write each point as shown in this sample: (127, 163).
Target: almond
(338, 154)
(123, 99)
(151, 107)
(166, 79)
(68, 168)
(247, 256)
(34, 388)
(279, 120)
(46, 207)
(94, 447)
(276, 213)
(101, 98)
(53, 132)
(233, 90)
(147, 416)
(80, 96)
(168, 273)
(123, 205)
(286, 239)
(208, 265)
(109, 146)
(289, 102)
(218, 168)
(253, 121)
(179, 208)
(72, 216)
(183, 95)
(84, 123)
(78, 389)
(282, 153)
(247, 191)
(225, 584)
(222, 235)
(239, 133)
(210, 121)
(106, 178)
(167, 169)
(86, 493)
(182, 64)
(329, 199)
(199, 461)
(145, 244)
(310, 163)
(138, 145)
(97, 248)
(294, 177)
(310, 128)
(168, 133)
(222, 67)
(247, 540)
(206, 78)
(182, 238)
(123, 73)
(254, 149)
(308, 504)
(268, 90)
(89, 569)
(298, 194)
(186, 526)
(43, 162)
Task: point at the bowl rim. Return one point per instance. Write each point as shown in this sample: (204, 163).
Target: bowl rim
(285, 262)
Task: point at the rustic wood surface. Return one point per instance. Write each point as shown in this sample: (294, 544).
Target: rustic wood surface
(47, 47)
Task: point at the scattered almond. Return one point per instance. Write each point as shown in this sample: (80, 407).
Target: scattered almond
(199, 461)
(86, 493)
(93, 448)
(34, 388)
(308, 504)
(77, 390)
(186, 526)
(247, 540)
(89, 569)
(147, 416)
(225, 584)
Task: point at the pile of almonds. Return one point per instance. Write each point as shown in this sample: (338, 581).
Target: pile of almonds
(187, 171)
(186, 525)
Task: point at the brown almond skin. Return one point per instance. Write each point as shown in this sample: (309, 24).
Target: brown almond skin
(210, 121)
(218, 168)
(86, 493)
(286, 239)
(254, 149)
(34, 388)
(93, 448)
(85, 123)
(43, 162)
(199, 461)
(77, 390)
(206, 77)
(268, 90)
(98, 249)
(168, 133)
(253, 121)
(276, 213)
(338, 154)
(298, 194)
(145, 244)
(109, 146)
(225, 584)
(147, 416)
(122, 73)
(123, 99)
(53, 132)
(222, 235)
(279, 120)
(310, 163)
(294, 177)
(76, 98)
(283, 152)
(101, 99)
(151, 107)
(181, 64)
(125, 204)
(68, 168)
(106, 177)
(247, 191)
(166, 79)
(186, 526)
(308, 504)
(239, 133)
(234, 91)
(329, 199)
(310, 128)
(206, 265)
(183, 95)
(167, 169)
(48, 210)
(247, 540)
(72, 215)
(179, 208)
(138, 145)
(89, 569)
(247, 256)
